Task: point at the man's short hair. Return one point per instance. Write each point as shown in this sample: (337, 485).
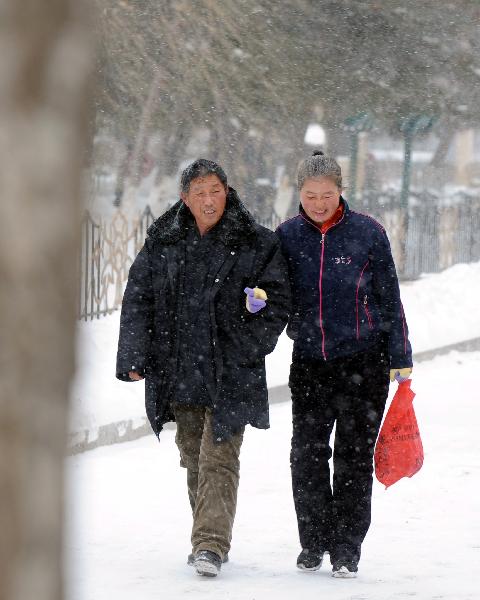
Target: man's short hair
(201, 168)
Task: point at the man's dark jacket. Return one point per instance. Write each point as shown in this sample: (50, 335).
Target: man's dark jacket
(244, 254)
(345, 290)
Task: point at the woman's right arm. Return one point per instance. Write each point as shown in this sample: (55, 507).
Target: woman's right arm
(387, 293)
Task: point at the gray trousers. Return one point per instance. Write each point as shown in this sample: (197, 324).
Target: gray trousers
(213, 473)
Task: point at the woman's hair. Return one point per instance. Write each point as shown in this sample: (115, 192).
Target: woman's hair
(319, 165)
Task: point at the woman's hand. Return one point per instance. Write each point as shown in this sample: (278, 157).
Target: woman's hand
(400, 375)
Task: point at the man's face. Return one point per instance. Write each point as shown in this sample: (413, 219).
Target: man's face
(206, 200)
(320, 198)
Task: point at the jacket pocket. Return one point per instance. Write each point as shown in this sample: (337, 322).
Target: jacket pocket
(365, 302)
(367, 312)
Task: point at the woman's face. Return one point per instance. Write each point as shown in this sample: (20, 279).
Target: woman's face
(320, 198)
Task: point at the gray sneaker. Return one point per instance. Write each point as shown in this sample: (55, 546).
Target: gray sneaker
(191, 559)
(344, 569)
(207, 563)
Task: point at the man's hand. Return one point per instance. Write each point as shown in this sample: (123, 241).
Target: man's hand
(256, 299)
(400, 375)
(134, 376)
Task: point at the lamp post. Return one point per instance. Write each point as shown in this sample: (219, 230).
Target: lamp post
(355, 125)
(410, 127)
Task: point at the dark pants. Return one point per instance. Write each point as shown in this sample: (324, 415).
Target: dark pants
(349, 393)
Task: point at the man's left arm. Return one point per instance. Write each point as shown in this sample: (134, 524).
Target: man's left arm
(265, 325)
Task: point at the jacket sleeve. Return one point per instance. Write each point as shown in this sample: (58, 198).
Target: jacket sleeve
(136, 320)
(265, 327)
(387, 293)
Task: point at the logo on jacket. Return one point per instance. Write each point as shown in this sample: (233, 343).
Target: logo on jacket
(342, 260)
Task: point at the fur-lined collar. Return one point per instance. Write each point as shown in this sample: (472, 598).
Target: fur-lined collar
(235, 227)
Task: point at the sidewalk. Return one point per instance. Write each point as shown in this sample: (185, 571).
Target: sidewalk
(129, 519)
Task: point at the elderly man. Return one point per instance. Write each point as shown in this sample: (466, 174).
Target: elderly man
(206, 299)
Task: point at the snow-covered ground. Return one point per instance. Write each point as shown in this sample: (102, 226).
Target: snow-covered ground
(441, 309)
(129, 520)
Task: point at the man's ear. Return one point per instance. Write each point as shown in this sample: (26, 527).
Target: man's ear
(183, 197)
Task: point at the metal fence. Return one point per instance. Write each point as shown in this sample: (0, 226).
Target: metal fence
(108, 249)
(432, 237)
(436, 233)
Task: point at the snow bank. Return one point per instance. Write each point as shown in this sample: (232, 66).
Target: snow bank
(441, 309)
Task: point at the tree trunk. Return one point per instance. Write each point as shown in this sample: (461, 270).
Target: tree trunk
(175, 148)
(45, 62)
(144, 124)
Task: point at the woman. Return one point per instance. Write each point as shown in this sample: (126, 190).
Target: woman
(350, 339)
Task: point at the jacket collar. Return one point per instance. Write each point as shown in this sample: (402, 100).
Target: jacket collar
(235, 227)
(346, 211)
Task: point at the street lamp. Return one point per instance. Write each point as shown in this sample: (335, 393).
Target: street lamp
(355, 125)
(410, 127)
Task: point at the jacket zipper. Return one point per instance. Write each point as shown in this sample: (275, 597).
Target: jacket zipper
(322, 243)
(223, 270)
(321, 276)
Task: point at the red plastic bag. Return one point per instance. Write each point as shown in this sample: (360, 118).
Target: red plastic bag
(399, 450)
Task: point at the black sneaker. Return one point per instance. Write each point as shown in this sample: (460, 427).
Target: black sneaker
(191, 559)
(344, 569)
(309, 560)
(207, 563)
